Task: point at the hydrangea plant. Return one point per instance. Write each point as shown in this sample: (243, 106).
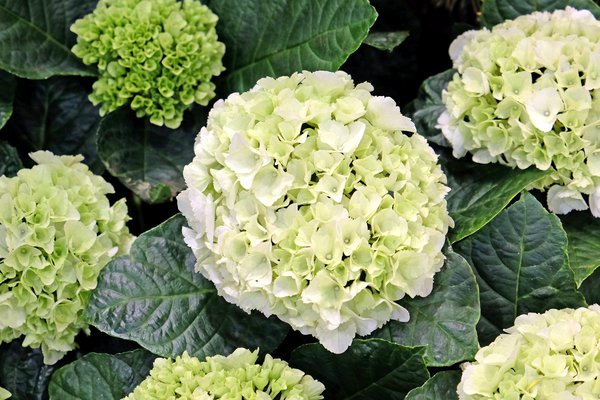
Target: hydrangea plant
(307, 201)
(236, 376)
(57, 230)
(527, 94)
(160, 55)
(543, 356)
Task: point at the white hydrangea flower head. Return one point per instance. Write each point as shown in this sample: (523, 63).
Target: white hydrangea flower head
(236, 376)
(57, 231)
(307, 201)
(527, 93)
(553, 355)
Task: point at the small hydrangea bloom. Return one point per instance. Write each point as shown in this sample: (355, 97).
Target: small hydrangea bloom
(57, 230)
(236, 376)
(307, 201)
(4, 394)
(527, 93)
(543, 356)
(160, 55)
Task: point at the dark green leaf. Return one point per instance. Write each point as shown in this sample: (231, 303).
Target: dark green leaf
(495, 11)
(386, 41)
(56, 115)
(479, 193)
(583, 233)
(7, 93)
(427, 107)
(445, 320)
(23, 372)
(520, 259)
(156, 299)
(441, 386)
(279, 37)
(10, 163)
(35, 41)
(146, 158)
(101, 376)
(369, 369)
(590, 287)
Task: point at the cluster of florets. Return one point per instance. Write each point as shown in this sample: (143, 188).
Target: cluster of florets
(236, 376)
(527, 94)
(57, 231)
(158, 54)
(554, 355)
(307, 201)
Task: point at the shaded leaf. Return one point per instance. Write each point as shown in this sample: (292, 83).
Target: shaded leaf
(7, 93)
(23, 372)
(441, 386)
(155, 298)
(35, 40)
(583, 233)
(146, 158)
(520, 259)
(369, 369)
(10, 163)
(590, 288)
(444, 321)
(279, 37)
(495, 11)
(101, 376)
(386, 41)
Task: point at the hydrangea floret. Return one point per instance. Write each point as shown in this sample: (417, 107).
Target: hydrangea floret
(553, 355)
(4, 394)
(527, 93)
(57, 231)
(306, 200)
(160, 55)
(236, 376)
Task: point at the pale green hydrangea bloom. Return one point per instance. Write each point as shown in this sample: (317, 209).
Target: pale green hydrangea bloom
(160, 55)
(4, 394)
(543, 356)
(57, 230)
(305, 200)
(527, 93)
(234, 377)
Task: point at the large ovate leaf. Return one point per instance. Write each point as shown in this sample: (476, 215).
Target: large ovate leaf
(101, 376)
(520, 259)
(441, 386)
(386, 41)
(56, 115)
(7, 93)
(495, 11)
(35, 40)
(369, 369)
(480, 192)
(146, 158)
(10, 163)
(279, 37)
(444, 321)
(23, 372)
(583, 233)
(427, 107)
(155, 298)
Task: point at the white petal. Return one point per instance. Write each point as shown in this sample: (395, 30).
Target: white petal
(562, 200)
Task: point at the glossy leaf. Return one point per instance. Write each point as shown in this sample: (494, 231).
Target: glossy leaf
(521, 263)
(10, 163)
(279, 37)
(441, 386)
(23, 372)
(35, 40)
(444, 322)
(101, 376)
(7, 93)
(155, 298)
(583, 232)
(386, 41)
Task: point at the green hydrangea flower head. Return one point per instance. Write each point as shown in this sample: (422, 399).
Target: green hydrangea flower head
(527, 93)
(160, 55)
(236, 376)
(307, 201)
(554, 355)
(57, 231)
(4, 394)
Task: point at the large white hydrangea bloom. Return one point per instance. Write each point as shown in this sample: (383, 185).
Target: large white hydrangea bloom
(527, 94)
(306, 200)
(543, 356)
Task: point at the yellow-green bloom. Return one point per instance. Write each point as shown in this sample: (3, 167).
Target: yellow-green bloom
(307, 201)
(57, 231)
(554, 355)
(4, 394)
(158, 55)
(527, 93)
(236, 376)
